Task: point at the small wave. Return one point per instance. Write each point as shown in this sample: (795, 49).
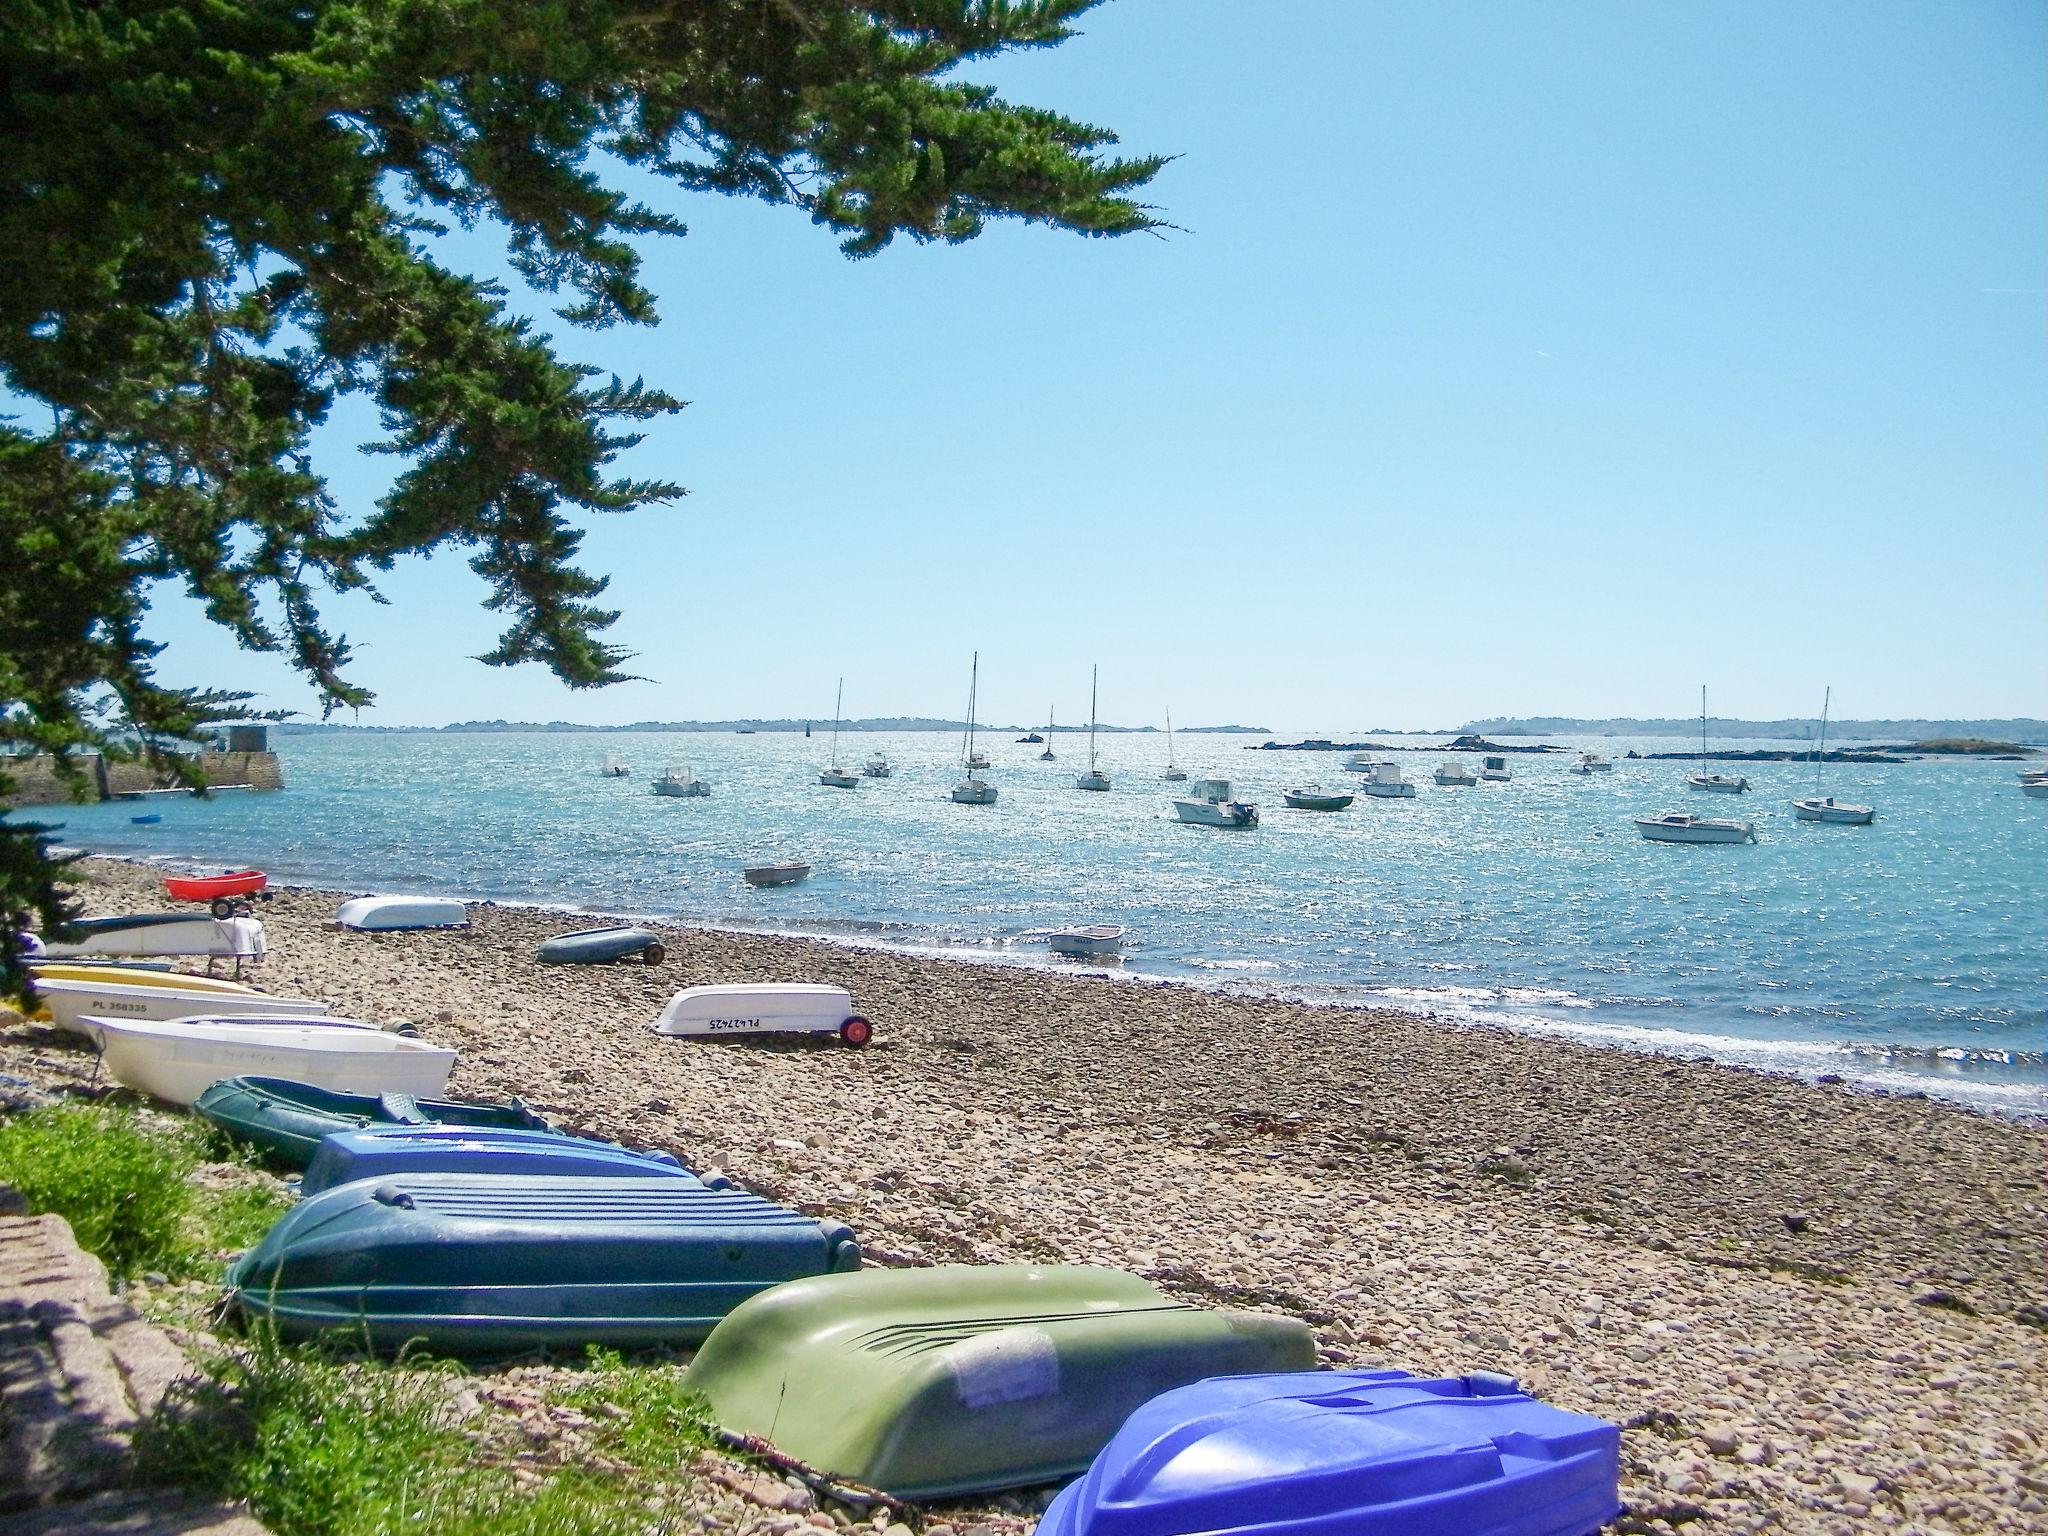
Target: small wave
(1204, 963)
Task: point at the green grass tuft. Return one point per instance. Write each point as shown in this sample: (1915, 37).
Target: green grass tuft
(122, 1185)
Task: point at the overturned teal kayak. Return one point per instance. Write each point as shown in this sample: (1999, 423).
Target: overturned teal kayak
(380, 1151)
(487, 1264)
(601, 946)
(926, 1383)
(288, 1119)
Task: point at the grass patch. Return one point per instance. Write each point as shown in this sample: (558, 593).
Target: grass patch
(323, 1447)
(123, 1186)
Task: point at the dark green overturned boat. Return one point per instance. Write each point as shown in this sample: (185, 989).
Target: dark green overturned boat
(602, 946)
(288, 1119)
(498, 1264)
(926, 1383)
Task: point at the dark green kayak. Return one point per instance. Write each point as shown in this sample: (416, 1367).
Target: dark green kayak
(925, 1383)
(288, 1118)
(495, 1264)
(601, 946)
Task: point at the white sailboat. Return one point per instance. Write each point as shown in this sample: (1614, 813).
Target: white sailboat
(1094, 778)
(970, 790)
(1172, 775)
(1046, 755)
(1826, 808)
(1713, 783)
(836, 777)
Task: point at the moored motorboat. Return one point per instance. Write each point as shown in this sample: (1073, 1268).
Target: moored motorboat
(601, 946)
(1826, 808)
(1590, 763)
(1093, 941)
(1313, 797)
(681, 783)
(932, 1382)
(1449, 772)
(288, 1118)
(775, 874)
(176, 934)
(1494, 770)
(499, 1264)
(177, 1060)
(1211, 803)
(71, 1002)
(1348, 1453)
(613, 767)
(400, 914)
(1383, 781)
(876, 767)
(1677, 827)
(2034, 789)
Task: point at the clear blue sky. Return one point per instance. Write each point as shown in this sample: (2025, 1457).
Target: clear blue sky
(1510, 359)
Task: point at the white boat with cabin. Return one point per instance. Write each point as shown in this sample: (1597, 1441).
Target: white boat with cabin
(1384, 782)
(613, 767)
(1826, 809)
(970, 790)
(1678, 827)
(1094, 941)
(1449, 772)
(877, 766)
(836, 777)
(179, 1059)
(1494, 770)
(1211, 803)
(1590, 763)
(1172, 775)
(1094, 778)
(681, 783)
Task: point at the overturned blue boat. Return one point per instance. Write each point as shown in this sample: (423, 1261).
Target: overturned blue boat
(481, 1264)
(379, 1152)
(602, 946)
(1348, 1453)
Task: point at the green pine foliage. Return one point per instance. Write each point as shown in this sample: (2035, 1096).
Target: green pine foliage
(213, 228)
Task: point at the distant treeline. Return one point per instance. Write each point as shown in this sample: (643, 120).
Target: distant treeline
(2031, 732)
(765, 727)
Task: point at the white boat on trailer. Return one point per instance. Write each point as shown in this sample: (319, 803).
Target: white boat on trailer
(771, 1007)
(1211, 803)
(1678, 827)
(179, 1059)
(1826, 808)
(1092, 941)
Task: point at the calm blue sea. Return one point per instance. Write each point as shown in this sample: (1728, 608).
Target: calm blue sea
(1912, 954)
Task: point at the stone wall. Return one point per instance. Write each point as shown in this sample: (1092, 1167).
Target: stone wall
(36, 781)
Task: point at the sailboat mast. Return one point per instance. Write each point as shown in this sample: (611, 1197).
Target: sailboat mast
(1169, 738)
(1703, 727)
(1093, 674)
(1819, 757)
(973, 683)
(838, 705)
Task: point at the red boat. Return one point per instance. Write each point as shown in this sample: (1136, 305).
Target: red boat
(217, 889)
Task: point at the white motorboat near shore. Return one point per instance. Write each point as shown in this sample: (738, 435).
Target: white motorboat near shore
(1677, 827)
(1826, 808)
(775, 874)
(177, 1060)
(876, 767)
(1094, 778)
(400, 914)
(1449, 773)
(1590, 763)
(1212, 804)
(1093, 941)
(1384, 782)
(1494, 770)
(169, 934)
(970, 790)
(71, 1001)
(681, 783)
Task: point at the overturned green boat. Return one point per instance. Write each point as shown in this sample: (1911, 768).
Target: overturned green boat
(926, 1383)
(287, 1119)
(492, 1264)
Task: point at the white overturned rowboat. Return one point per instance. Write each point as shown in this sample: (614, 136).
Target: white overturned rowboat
(398, 914)
(179, 1059)
(70, 1002)
(1093, 941)
(165, 933)
(1681, 828)
(765, 1007)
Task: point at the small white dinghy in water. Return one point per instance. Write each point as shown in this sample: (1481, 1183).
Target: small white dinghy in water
(1091, 941)
(768, 1007)
(71, 1001)
(177, 1060)
(399, 914)
(165, 933)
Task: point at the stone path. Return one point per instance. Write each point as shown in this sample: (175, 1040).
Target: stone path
(79, 1371)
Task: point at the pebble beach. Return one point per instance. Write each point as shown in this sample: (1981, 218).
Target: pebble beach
(1815, 1308)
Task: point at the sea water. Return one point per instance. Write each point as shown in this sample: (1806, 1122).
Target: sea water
(1912, 954)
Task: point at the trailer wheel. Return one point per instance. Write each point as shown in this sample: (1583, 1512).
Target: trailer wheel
(856, 1031)
(653, 954)
(223, 908)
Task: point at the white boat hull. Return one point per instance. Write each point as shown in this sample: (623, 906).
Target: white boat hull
(398, 914)
(1833, 812)
(193, 936)
(695, 789)
(780, 1007)
(1097, 942)
(1447, 780)
(1205, 813)
(974, 792)
(1403, 791)
(1694, 829)
(776, 874)
(1717, 784)
(838, 778)
(70, 1003)
(2037, 790)
(178, 1060)
(1092, 780)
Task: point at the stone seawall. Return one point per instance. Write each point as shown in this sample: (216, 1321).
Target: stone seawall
(36, 781)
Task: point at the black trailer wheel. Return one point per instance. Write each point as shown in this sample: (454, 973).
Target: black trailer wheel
(653, 954)
(223, 908)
